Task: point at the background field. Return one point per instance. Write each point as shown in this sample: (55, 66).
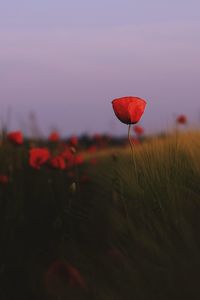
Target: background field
(131, 234)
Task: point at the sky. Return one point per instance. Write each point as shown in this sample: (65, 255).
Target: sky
(65, 61)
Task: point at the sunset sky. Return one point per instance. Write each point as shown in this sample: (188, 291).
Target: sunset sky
(65, 60)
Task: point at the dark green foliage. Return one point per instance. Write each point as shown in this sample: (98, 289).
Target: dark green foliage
(131, 234)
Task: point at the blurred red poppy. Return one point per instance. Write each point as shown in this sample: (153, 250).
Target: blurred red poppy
(92, 149)
(54, 137)
(97, 137)
(4, 179)
(78, 160)
(136, 141)
(129, 109)
(68, 157)
(58, 162)
(16, 137)
(38, 156)
(73, 141)
(61, 273)
(182, 119)
(138, 130)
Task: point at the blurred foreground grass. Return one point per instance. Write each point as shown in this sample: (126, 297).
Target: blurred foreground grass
(131, 234)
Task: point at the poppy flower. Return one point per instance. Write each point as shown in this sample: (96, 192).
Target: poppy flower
(54, 137)
(73, 141)
(97, 137)
(129, 109)
(58, 162)
(38, 157)
(68, 156)
(16, 137)
(4, 179)
(182, 119)
(138, 130)
(60, 274)
(136, 141)
(92, 149)
(78, 160)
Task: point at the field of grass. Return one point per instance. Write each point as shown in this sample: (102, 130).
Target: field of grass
(109, 231)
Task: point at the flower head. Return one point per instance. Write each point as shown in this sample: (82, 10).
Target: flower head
(54, 137)
(129, 109)
(58, 162)
(182, 119)
(73, 141)
(16, 137)
(38, 156)
(79, 159)
(138, 130)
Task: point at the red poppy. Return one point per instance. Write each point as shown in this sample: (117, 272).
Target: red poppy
(129, 109)
(38, 156)
(97, 137)
(54, 137)
(58, 162)
(68, 157)
(135, 141)
(73, 141)
(16, 137)
(78, 160)
(182, 119)
(138, 130)
(4, 179)
(61, 273)
(92, 149)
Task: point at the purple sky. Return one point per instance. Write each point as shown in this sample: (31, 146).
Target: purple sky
(67, 60)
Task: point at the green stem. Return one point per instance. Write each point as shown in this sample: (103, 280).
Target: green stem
(132, 149)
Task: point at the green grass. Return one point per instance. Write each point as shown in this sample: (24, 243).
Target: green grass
(131, 234)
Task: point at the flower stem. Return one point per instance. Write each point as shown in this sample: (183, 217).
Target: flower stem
(132, 149)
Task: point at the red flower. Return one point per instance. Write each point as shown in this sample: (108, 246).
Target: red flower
(129, 109)
(58, 162)
(4, 179)
(92, 149)
(38, 156)
(54, 137)
(182, 119)
(97, 137)
(61, 273)
(15, 137)
(69, 158)
(78, 160)
(138, 130)
(73, 141)
(135, 141)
